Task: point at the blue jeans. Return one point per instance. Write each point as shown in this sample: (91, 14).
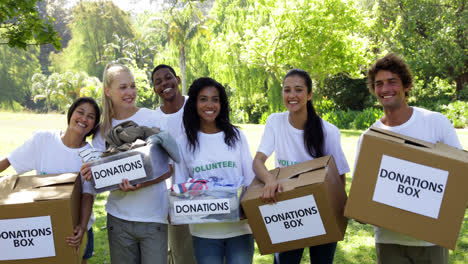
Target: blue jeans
(321, 254)
(239, 249)
(89, 245)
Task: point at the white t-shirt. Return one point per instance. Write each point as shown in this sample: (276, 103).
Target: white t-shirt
(148, 204)
(174, 125)
(288, 143)
(232, 166)
(45, 153)
(428, 126)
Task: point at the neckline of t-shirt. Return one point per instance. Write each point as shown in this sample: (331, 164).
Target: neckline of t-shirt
(402, 126)
(211, 134)
(58, 134)
(290, 126)
(181, 110)
(131, 118)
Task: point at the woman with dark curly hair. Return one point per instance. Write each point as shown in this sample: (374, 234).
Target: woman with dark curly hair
(212, 139)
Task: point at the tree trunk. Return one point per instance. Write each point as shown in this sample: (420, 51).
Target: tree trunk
(461, 81)
(183, 68)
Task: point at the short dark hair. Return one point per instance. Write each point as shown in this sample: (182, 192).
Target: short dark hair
(161, 66)
(393, 63)
(191, 119)
(84, 100)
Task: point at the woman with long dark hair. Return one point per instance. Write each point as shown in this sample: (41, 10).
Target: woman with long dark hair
(212, 139)
(298, 135)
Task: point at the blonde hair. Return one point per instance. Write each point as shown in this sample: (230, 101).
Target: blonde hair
(110, 72)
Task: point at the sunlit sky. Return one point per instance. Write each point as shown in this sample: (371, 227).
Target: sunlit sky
(134, 6)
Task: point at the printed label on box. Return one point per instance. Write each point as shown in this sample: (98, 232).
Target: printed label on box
(202, 207)
(113, 172)
(410, 186)
(26, 238)
(292, 219)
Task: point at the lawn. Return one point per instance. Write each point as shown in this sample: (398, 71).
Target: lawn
(357, 247)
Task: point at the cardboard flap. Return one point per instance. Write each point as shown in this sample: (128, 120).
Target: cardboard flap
(311, 177)
(452, 152)
(53, 180)
(296, 169)
(393, 136)
(54, 193)
(8, 183)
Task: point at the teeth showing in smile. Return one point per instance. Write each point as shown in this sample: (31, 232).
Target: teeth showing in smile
(387, 96)
(293, 102)
(167, 90)
(81, 125)
(209, 112)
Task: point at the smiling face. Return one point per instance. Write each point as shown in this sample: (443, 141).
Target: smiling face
(83, 119)
(295, 94)
(208, 105)
(166, 84)
(389, 89)
(122, 91)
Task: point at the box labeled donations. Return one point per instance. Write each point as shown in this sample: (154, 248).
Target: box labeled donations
(137, 165)
(308, 212)
(204, 206)
(37, 213)
(410, 186)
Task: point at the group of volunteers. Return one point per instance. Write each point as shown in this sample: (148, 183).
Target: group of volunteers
(138, 227)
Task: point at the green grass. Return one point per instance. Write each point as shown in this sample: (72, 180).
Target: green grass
(357, 247)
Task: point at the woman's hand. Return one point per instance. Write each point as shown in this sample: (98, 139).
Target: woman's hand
(269, 190)
(75, 241)
(85, 171)
(126, 186)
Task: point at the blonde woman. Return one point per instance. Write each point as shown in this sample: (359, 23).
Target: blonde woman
(136, 214)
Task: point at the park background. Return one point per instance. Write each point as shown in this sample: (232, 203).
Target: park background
(246, 45)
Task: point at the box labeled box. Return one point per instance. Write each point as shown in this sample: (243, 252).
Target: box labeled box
(37, 213)
(410, 186)
(137, 165)
(204, 206)
(308, 212)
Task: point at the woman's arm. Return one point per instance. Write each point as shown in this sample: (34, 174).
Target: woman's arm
(4, 164)
(126, 186)
(271, 184)
(87, 201)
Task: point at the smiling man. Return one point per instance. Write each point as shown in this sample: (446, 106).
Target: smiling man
(390, 80)
(166, 86)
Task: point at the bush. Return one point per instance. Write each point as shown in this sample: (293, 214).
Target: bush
(457, 113)
(341, 119)
(431, 95)
(366, 118)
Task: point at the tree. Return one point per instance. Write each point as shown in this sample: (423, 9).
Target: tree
(16, 69)
(21, 25)
(184, 25)
(93, 25)
(431, 36)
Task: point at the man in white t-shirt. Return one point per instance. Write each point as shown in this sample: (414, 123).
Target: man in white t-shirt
(390, 80)
(166, 86)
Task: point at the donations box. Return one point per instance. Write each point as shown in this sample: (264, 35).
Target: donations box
(137, 165)
(37, 213)
(204, 206)
(410, 186)
(308, 212)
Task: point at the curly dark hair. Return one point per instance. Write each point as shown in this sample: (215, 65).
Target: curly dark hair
(393, 63)
(191, 119)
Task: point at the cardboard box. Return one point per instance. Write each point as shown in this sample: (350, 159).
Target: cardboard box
(137, 165)
(410, 186)
(309, 211)
(37, 213)
(204, 206)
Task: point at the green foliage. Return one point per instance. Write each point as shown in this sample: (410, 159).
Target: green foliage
(341, 118)
(22, 25)
(457, 113)
(431, 95)
(346, 92)
(94, 25)
(366, 118)
(431, 36)
(146, 96)
(16, 69)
